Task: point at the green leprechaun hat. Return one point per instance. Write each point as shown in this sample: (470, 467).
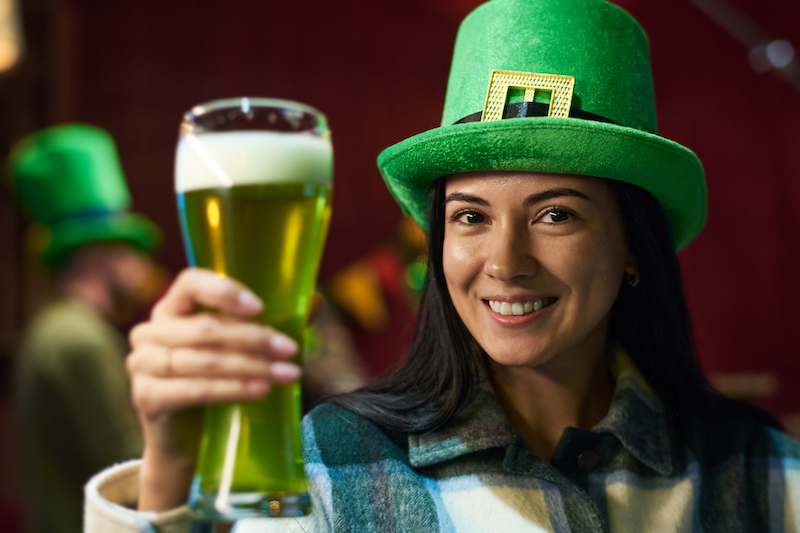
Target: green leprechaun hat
(557, 86)
(69, 181)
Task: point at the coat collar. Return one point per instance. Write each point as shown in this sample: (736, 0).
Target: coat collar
(636, 418)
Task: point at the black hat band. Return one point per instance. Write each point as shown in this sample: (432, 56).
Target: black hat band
(535, 109)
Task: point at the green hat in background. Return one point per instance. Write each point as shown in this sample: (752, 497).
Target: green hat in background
(557, 86)
(69, 180)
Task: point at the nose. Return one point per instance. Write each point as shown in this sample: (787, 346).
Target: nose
(510, 253)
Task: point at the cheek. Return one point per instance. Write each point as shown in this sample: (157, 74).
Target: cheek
(594, 273)
(460, 263)
(604, 283)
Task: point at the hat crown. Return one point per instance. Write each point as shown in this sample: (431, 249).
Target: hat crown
(69, 179)
(597, 43)
(68, 171)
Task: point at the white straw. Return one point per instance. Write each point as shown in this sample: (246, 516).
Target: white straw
(222, 503)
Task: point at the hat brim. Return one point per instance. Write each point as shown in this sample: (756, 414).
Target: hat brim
(669, 171)
(68, 235)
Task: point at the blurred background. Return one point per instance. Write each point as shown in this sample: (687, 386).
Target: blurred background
(378, 69)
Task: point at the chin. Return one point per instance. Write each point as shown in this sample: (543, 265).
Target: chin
(508, 356)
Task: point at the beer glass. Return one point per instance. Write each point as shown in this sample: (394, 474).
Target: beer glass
(254, 179)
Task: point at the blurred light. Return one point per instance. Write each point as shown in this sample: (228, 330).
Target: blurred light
(776, 54)
(780, 53)
(11, 44)
(212, 213)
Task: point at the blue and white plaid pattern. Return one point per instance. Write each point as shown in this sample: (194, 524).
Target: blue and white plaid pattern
(478, 475)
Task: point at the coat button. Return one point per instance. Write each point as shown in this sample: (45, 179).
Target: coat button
(587, 461)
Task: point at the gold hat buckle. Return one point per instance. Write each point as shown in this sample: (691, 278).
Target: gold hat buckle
(501, 81)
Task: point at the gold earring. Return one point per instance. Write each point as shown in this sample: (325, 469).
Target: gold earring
(633, 279)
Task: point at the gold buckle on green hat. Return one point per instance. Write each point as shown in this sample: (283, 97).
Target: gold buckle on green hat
(501, 81)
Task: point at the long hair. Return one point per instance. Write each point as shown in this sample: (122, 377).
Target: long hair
(651, 321)
(444, 367)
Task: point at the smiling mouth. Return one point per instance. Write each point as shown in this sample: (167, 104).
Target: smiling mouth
(520, 308)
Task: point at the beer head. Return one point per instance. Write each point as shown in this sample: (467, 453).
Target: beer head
(224, 159)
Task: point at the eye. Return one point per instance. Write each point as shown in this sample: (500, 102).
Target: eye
(555, 216)
(468, 217)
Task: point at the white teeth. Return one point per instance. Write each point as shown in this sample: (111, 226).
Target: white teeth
(518, 308)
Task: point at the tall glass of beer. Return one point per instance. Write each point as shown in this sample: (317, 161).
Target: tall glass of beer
(254, 179)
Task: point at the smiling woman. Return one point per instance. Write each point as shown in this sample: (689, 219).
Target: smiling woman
(551, 383)
(524, 239)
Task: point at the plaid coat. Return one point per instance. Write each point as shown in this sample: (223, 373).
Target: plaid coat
(629, 473)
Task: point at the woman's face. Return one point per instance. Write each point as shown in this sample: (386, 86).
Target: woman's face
(533, 262)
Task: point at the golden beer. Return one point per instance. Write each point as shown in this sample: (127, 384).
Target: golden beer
(255, 206)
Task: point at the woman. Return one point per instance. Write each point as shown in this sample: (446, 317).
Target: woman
(551, 384)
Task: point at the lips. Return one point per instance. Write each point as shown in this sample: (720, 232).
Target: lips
(520, 308)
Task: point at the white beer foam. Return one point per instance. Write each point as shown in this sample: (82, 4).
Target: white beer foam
(211, 160)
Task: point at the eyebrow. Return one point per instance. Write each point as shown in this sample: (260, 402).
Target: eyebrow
(549, 194)
(461, 197)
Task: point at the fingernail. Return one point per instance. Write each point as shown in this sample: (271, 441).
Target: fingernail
(249, 301)
(282, 343)
(287, 371)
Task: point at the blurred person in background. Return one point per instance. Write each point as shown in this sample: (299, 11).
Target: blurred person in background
(70, 386)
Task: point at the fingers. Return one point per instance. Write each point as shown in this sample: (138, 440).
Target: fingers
(153, 396)
(182, 359)
(212, 330)
(166, 362)
(164, 380)
(195, 286)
